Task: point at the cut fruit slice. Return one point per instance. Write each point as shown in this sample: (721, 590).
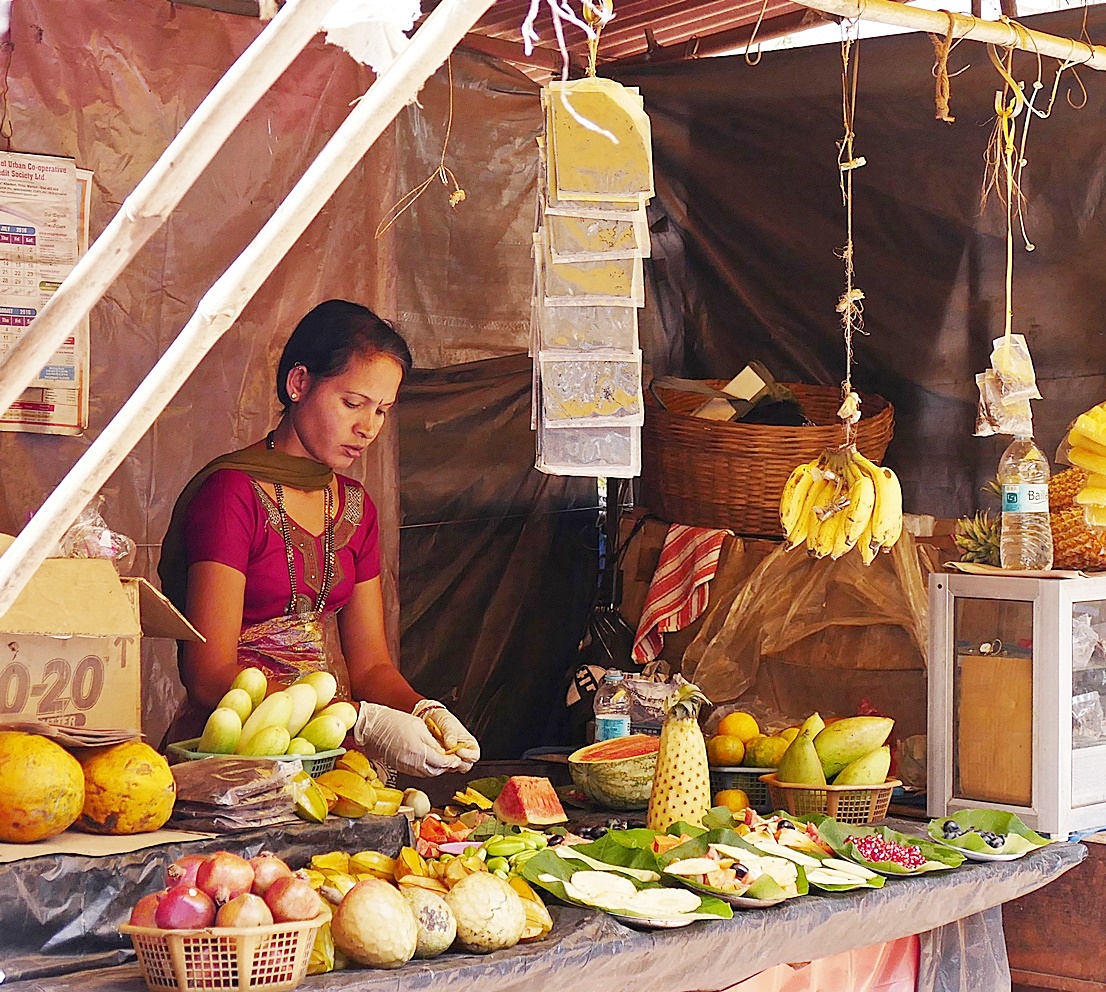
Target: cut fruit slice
(528, 800)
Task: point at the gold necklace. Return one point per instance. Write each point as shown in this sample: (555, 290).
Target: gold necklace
(328, 545)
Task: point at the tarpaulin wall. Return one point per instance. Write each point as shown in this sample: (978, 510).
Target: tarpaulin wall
(110, 85)
(746, 162)
(498, 559)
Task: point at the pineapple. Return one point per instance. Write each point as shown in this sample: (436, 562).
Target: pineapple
(978, 538)
(1063, 486)
(681, 783)
(1074, 544)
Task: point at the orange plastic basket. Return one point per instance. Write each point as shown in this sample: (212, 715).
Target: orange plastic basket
(845, 803)
(270, 957)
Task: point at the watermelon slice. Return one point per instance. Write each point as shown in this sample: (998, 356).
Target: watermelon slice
(529, 800)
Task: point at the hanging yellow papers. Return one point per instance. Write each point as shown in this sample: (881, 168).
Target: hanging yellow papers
(600, 141)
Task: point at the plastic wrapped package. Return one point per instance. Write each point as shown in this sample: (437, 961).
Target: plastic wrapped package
(585, 328)
(600, 145)
(590, 451)
(591, 391)
(617, 282)
(594, 235)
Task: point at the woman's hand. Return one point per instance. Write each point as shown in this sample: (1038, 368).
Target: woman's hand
(402, 741)
(449, 730)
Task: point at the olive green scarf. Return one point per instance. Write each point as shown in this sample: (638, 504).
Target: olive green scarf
(257, 462)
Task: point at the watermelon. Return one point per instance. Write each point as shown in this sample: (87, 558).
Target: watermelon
(616, 774)
(529, 800)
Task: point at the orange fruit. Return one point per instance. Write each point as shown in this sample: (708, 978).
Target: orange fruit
(725, 751)
(739, 724)
(735, 800)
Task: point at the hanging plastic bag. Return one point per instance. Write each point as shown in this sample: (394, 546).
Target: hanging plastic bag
(90, 537)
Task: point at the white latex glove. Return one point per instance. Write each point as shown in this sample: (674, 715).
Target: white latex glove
(453, 733)
(402, 741)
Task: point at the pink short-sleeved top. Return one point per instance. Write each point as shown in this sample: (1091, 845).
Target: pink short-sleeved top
(233, 521)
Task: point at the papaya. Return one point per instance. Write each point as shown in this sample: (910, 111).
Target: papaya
(41, 787)
(128, 789)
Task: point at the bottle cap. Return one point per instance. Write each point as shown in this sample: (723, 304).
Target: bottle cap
(613, 675)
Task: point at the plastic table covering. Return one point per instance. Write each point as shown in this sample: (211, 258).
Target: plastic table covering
(60, 914)
(957, 913)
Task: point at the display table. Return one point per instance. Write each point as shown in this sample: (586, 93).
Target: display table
(61, 913)
(957, 914)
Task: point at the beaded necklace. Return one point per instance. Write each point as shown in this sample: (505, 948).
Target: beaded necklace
(328, 546)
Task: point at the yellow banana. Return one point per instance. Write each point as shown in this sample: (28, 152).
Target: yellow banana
(867, 549)
(794, 493)
(887, 512)
(806, 522)
(840, 534)
(862, 500)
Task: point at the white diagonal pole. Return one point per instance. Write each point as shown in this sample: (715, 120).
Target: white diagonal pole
(397, 86)
(154, 198)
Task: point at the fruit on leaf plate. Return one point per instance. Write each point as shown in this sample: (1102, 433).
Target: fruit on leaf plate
(721, 864)
(887, 851)
(986, 834)
(588, 882)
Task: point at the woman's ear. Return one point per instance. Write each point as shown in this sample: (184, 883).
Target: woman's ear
(298, 382)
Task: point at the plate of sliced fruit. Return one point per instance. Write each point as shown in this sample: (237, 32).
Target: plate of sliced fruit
(986, 834)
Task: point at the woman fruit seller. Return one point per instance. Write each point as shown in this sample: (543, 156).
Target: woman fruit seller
(274, 556)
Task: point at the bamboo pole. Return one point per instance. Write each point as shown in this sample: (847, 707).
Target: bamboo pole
(154, 198)
(223, 302)
(1003, 33)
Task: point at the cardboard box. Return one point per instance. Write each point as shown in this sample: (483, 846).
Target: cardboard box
(69, 645)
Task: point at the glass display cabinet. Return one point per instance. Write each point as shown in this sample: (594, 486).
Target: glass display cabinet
(1017, 693)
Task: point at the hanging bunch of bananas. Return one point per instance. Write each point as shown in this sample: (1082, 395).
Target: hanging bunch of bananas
(1087, 450)
(841, 501)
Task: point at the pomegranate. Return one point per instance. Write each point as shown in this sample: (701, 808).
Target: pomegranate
(267, 868)
(292, 898)
(183, 870)
(184, 907)
(246, 910)
(143, 913)
(872, 847)
(224, 876)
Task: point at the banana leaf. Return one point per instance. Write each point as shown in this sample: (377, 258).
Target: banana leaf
(1019, 838)
(550, 871)
(938, 857)
(765, 888)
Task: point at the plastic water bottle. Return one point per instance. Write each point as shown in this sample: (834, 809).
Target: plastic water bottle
(612, 707)
(1026, 531)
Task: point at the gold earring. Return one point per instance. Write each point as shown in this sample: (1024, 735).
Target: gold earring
(295, 396)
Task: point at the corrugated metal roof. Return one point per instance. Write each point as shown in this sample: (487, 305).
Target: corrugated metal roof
(641, 30)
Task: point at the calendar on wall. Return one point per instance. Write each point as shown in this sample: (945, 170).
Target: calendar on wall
(44, 206)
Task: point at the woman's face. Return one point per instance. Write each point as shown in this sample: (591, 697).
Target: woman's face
(334, 420)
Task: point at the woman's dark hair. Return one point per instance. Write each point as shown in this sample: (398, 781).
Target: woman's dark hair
(333, 333)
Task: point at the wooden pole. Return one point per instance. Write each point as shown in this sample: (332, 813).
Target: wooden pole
(1002, 33)
(223, 302)
(154, 198)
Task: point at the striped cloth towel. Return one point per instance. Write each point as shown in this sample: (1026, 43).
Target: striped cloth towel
(678, 593)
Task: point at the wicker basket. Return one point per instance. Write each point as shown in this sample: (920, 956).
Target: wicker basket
(270, 957)
(748, 780)
(313, 764)
(845, 803)
(722, 474)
